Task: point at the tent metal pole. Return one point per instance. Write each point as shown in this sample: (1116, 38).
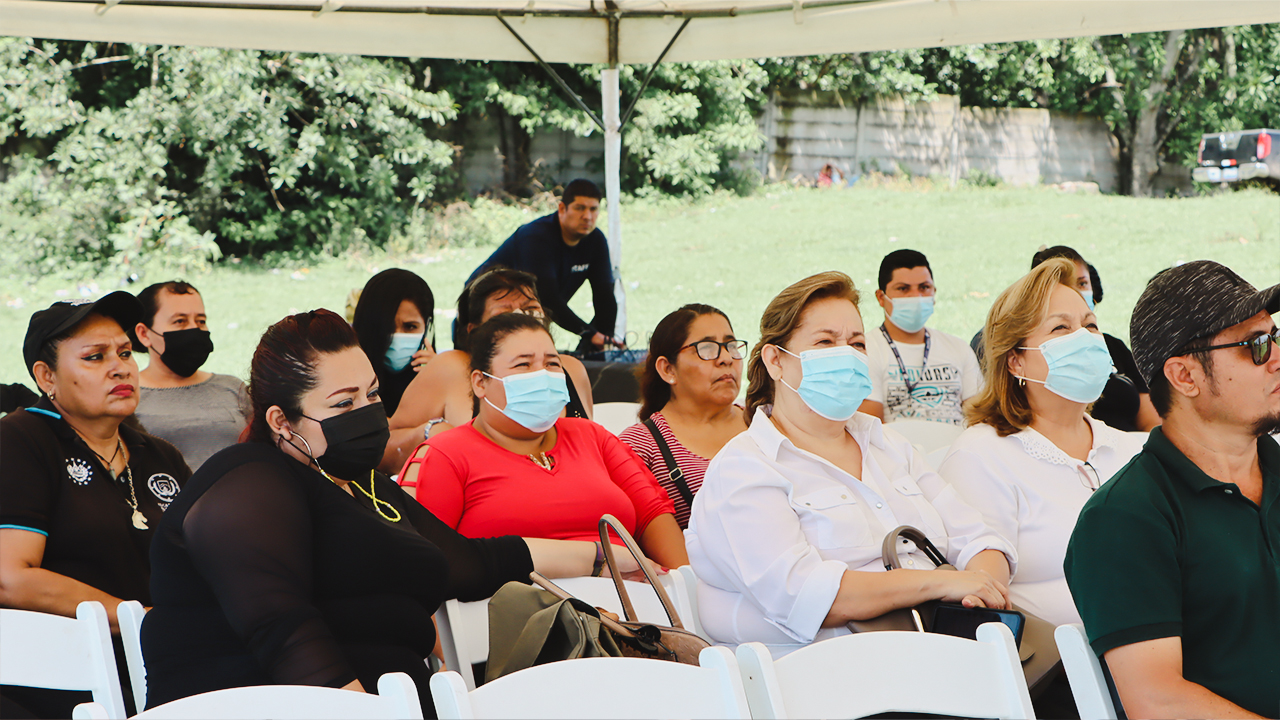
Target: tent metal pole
(652, 69)
(611, 101)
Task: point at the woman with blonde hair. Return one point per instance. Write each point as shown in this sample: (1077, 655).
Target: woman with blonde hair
(1032, 454)
(786, 531)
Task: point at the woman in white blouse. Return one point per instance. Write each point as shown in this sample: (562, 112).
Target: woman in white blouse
(785, 534)
(1032, 455)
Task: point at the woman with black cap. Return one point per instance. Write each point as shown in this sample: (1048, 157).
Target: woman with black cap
(196, 410)
(81, 493)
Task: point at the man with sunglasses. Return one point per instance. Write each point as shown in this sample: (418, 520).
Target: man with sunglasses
(1175, 563)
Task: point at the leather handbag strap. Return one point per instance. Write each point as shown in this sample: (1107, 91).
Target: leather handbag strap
(673, 470)
(606, 523)
(613, 625)
(889, 549)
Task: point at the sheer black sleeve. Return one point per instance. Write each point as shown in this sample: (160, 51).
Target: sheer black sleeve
(250, 537)
(477, 567)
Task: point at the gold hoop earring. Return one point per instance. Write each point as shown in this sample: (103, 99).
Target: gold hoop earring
(1022, 382)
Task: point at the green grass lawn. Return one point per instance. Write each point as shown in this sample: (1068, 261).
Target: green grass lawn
(737, 253)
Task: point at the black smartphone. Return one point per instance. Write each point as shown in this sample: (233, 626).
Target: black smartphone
(960, 621)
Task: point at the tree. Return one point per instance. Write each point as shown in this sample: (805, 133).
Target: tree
(115, 154)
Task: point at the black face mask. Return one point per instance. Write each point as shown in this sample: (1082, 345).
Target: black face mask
(186, 350)
(356, 441)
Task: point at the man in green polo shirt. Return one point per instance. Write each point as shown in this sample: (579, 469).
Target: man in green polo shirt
(1174, 564)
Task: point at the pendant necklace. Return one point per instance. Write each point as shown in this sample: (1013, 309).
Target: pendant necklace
(139, 520)
(542, 460)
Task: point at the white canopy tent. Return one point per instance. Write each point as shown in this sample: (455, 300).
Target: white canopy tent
(610, 32)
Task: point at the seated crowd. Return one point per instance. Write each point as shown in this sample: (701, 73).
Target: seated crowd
(291, 555)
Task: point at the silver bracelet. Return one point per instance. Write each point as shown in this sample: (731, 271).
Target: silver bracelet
(426, 429)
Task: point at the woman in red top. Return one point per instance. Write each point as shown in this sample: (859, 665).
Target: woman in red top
(518, 468)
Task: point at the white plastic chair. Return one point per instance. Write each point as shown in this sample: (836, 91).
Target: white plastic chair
(463, 627)
(40, 650)
(1084, 672)
(877, 672)
(926, 435)
(397, 699)
(687, 601)
(616, 416)
(601, 688)
(130, 614)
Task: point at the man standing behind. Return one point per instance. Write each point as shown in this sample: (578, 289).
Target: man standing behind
(563, 250)
(1174, 563)
(916, 372)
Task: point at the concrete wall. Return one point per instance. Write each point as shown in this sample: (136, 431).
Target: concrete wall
(806, 130)
(1019, 146)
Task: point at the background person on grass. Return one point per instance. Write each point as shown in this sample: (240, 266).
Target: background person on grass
(198, 411)
(786, 532)
(563, 250)
(81, 493)
(688, 386)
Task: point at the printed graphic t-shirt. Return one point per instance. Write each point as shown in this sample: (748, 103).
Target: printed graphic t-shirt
(938, 387)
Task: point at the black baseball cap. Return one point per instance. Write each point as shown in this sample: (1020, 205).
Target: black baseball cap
(1191, 301)
(60, 317)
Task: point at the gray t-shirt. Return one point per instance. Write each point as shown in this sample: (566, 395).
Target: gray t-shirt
(198, 419)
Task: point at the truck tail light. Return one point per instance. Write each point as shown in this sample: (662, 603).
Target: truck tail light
(1200, 153)
(1264, 146)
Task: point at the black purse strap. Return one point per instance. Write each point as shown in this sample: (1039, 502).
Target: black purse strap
(673, 470)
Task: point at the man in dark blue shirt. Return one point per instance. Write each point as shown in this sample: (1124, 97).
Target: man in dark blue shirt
(563, 250)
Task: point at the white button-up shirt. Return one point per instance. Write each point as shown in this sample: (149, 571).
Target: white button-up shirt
(774, 528)
(1031, 492)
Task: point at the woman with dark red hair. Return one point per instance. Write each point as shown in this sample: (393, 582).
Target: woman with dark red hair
(290, 560)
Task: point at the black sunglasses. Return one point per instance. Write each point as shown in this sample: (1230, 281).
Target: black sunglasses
(1259, 347)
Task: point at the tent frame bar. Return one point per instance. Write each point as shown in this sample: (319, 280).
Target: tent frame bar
(490, 12)
(649, 75)
(556, 76)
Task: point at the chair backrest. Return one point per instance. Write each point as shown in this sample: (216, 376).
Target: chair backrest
(926, 434)
(1084, 672)
(130, 614)
(936, 457)
(878, 672)
(40, 650)
(601, 688)
(616, 416)
(687, 602)
(397, 699)
(463, 627)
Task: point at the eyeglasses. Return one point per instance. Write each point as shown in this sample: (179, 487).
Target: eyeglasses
(1090, 477)
(710, 349)
(531, 312)
(1259, 347)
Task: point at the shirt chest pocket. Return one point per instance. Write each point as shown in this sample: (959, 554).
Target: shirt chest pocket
(832, 518)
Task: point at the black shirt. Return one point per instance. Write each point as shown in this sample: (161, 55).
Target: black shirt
(538, 247)
(268, 573)
(51, 483)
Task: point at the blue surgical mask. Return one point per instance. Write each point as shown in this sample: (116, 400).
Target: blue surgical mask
(1088, 299)
(534, 399)
(1079, 365)
(911, 313)
(402, 348)
(836, 380)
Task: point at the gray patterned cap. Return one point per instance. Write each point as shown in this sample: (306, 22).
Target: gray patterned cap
(1191, 301)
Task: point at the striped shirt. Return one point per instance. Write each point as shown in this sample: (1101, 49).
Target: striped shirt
(693, 466)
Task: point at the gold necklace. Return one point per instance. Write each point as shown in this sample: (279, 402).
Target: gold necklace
(542, 460)
(377, 504)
